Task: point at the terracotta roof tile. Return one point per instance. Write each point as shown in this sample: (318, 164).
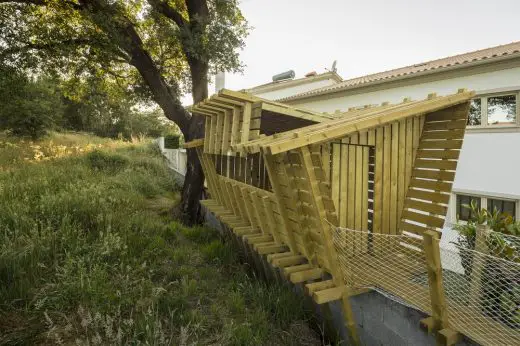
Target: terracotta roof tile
(461, 59)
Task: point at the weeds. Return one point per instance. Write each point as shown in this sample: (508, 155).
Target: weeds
(88, 255)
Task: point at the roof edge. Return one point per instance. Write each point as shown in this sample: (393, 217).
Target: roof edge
(312, 94)
(272, 86)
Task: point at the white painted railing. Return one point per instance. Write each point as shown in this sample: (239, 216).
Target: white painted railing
(176, 157)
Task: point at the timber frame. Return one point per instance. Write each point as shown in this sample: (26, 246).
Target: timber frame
(387, 169)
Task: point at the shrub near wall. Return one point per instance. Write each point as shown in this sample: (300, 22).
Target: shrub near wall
(172, 142)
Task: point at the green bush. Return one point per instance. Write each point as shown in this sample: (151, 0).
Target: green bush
(105, 161)
(28, 108)
(172, 142)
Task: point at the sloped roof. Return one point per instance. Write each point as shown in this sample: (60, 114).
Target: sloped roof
(461, 60)
(351, 122)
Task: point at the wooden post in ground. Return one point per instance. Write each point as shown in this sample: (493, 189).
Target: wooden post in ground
(438, 322)
(479, 262)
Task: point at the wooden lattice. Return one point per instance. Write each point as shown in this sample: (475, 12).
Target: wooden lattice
(386, 170)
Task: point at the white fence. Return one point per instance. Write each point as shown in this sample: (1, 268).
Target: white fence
(176, 157)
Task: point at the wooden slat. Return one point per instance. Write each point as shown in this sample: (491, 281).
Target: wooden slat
(378, 181)
(335, 177)
(426, 207)
(358, 188)
(318, 286)
(394, 178)
(438, 154)
(428, 196)
(441, 144)
(448, 134)
(412, 228)
(401, 174)
(436, 164)
(364, 198)
(288, 261)
(299, 268)
(446, 114)
(428, 174)
(431, 185)
(302, 276)
(429, 220)
(346, 193)
(246, 119)
(328, 295)
(270, 164)
(387, 169)
(445, 125)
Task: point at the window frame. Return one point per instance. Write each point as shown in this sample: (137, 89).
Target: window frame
(483, 203)
(484, 110)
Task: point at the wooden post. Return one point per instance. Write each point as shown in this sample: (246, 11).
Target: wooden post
(337, 275)
(478, 262)
(433, 265)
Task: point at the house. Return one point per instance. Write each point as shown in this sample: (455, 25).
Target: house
(488, 165)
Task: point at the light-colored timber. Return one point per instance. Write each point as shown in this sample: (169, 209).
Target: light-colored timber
(282, 179)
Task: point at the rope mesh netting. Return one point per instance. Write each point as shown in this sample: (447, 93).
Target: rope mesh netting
(481, 288)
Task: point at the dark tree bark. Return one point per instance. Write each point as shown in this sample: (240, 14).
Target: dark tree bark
(167, 97)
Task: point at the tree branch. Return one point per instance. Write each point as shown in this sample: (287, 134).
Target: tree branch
(169, 12)
(197, 8)
(33, 2)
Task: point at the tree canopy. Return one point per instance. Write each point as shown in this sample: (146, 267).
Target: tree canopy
(157, 49)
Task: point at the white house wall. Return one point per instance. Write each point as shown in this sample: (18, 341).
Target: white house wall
(478, 82)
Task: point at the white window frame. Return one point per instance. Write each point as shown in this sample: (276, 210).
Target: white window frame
(483, 203)
(484, 110)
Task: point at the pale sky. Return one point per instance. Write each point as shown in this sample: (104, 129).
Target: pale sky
(366, 36)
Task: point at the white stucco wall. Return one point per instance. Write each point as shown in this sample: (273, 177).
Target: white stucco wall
(478, 82)
(489, 163)
(297, 89)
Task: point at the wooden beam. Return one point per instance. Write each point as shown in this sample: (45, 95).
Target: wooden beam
(332, 258)
(329, 295)
(194, 143)
(433, 266)
(302, 276)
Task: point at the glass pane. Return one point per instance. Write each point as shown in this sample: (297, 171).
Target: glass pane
(475, 112)
(462, 201)
(502, 206)
(501, 110)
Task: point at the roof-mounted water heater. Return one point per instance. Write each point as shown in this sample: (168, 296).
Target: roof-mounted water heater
(284, 75)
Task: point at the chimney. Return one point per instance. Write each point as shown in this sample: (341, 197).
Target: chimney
(220, 81)
(311, 74)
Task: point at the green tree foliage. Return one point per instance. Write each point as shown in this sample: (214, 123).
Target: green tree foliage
(28, 107)
(156, 48)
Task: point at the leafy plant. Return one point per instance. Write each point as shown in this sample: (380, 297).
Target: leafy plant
(500, 298)
(171, 142)
(106, 161)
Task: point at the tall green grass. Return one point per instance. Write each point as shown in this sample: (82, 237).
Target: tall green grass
(89, 255)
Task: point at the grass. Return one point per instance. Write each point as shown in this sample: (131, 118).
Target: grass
(90, 255)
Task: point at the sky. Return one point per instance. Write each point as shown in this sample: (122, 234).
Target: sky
(365, 36)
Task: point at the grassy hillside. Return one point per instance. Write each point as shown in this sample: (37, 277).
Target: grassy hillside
(89, 255)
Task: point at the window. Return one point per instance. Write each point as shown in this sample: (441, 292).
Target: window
(475, 112)
(502, 206)
(501, 110)
(460, 212)
(463, 201)
(493, 111)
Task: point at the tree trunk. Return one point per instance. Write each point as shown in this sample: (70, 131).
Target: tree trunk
(193, 188)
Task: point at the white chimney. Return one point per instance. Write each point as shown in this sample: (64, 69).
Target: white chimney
(220, 81)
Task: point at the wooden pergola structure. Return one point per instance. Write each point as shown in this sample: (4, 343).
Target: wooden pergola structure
(280, 176)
